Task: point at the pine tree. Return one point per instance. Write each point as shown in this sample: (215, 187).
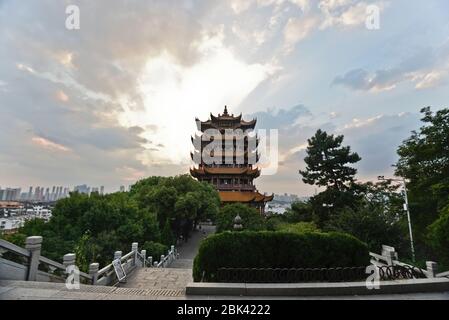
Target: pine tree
(327, 162)
(328, 166)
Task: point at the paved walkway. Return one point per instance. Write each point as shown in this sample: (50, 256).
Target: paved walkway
(180, 272)
(28, 290)
(187, 251)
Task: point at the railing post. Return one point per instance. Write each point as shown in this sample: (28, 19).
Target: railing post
(34, 245)
(143, 253)
(431, 269)
(117, 255)
(69, 260)
(150, 261)
(389, 254)
(162, 260)
(171, 253)
(155, 264)
(134, 248)
(93, 272)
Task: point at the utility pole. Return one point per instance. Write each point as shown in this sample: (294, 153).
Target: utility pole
(406, 208)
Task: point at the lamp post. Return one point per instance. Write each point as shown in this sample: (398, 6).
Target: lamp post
(406, 208)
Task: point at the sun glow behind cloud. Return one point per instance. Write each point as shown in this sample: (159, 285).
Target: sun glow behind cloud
(174, 95)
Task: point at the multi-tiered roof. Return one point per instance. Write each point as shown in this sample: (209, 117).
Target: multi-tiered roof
(232, 171)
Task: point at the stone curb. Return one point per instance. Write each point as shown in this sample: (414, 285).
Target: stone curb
(316, 289)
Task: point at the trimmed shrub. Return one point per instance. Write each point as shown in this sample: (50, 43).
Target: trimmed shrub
(267, 249)
(300, 227)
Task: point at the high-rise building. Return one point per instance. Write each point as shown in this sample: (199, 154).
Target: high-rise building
(122, 188)
(231, 172)
(82, 189)
(30, 194)
(102, 190)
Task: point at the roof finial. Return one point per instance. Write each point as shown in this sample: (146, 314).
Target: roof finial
(225, 113)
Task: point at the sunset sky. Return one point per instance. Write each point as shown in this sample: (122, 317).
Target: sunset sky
(116, 100)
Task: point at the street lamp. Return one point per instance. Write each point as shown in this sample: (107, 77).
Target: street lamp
(404, 185)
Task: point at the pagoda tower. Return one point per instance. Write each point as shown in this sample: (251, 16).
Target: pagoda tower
(233, 170)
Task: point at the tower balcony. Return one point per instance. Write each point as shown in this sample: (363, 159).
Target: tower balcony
(239, 187)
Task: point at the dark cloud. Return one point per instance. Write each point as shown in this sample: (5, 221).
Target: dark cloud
(65, 86)
(414, 68)
(377, 141)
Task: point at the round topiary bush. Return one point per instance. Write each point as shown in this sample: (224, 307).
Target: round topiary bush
(249, 249)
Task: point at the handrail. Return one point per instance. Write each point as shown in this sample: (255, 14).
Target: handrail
(85, 275)
(377, 256)
(52, 263)
(110, 267)
(104, 270)
(169, 258)
(14, 248)
(443, 275)
(128, 255)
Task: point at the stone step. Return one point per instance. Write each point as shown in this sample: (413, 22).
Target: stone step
(182, 264)
(159, 278)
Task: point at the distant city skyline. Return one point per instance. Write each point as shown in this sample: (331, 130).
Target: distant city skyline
(53, 193)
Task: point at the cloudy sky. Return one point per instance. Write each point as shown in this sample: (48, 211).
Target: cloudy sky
(116, 100)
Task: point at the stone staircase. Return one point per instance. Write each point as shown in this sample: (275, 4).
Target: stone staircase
(182, 264)
(159, 278)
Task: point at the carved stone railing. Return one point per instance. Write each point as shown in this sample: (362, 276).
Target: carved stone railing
(27, 264)
(389, 257)
(17, 263)
(166, 260)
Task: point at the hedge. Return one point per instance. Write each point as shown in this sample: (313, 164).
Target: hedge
(266, 249)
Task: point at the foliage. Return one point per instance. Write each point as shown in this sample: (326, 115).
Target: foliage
(155, 249)
(249, 249)
(327, 162)
(167, 237)
(328, 165)
(251, 218)
(97, 225)
(299, 227)
(438, 236)
(373, 226)
(299, 211)
(424, 162)
(181, 201)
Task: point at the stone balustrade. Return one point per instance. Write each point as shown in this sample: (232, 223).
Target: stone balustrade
(389, 257)
(31, 266)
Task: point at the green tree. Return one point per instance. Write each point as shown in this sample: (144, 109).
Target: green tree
(298, 212)
(167, 237)
(424, 162)
(373, 227)
(327, 162)
(438, 237)
(251, 218)
(328, 165)
(155, 249)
